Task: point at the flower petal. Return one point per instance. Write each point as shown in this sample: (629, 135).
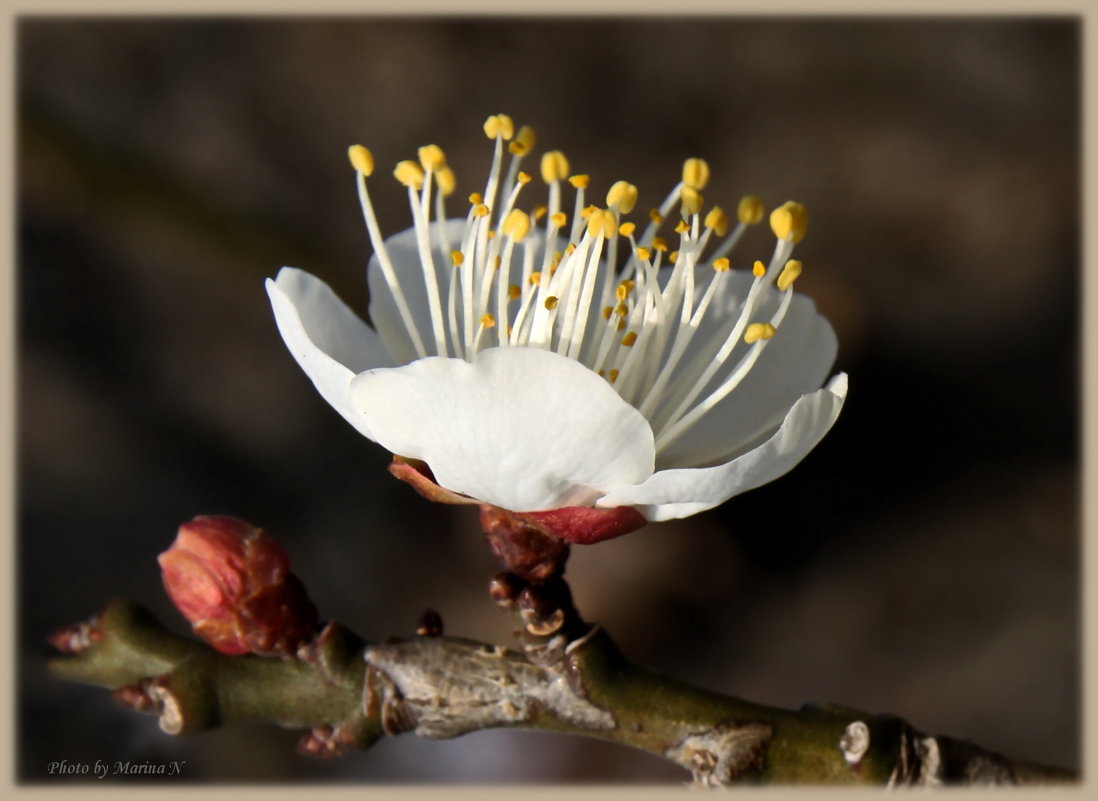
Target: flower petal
(326, 338)
(679, 493)
(520, 428)
(795, 362)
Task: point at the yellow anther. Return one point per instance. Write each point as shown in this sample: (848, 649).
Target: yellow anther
(691, 200)
(457, 258)
(602, 221)
(627, 229)
(717, 220)
(642, 253)
(480, 210)
(758, 269)
(789, 221)
(554, 166)
(750, 210)
(624, 195)
(523, 178)
(588, 211)
(432, 158)
(682, 227)
(695, 173)
(476, 198)
(607, 311)
(622, 290)
(540, 211)
(488, 320)
(628, 340)
(757, 331)
(721, 265)
(523, 142)
(410, 174)
(361, 159)
(535, 278)
(559, 220)
(516, 225)
(496, 261)
(655, 216)
(491, 234)
(621, 310)
(551, 302)
(789, 274)
(621, 325)
(602, 373)
(446, 181)
(568, 251)
(659, 243)
(513, 292)
(580, 181)
(499, 125)
(614, 376)
(673, 257)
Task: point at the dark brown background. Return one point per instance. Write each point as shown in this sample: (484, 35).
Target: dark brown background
(923, 560)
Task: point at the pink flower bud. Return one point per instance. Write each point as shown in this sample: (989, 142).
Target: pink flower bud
(233, 583)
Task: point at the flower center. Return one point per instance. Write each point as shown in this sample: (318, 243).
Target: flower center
(537, 278)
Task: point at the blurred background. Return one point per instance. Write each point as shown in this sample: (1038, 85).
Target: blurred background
(923, 560)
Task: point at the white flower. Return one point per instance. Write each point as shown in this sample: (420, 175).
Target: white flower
(528, 374)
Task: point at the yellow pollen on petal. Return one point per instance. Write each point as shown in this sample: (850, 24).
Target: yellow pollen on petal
(540, 211)
(655, 216)
(476, 198)
(446, 181)
(457, 258)
(682, 227)
(496, 261)
(624, 195)
(691, 200)
(627, 229)
(554, 166)
(659, 243)
(410, 174)
(499, 125)
(750, 210)
(516, 225)
(757, 331)
(523, 142)
(621, 325)
(695, 173)
(432, 158)
(607, 311)
(488, 320)
(789, 274)
(717, 220)
(642, 253)
(721, 265)
(629, 339)
(789, 221)
(513, 292)
(559, 220)
(361, 159)
(491, 234)
(580, 181)
(613, 376)
(480, 210)
(551, 302)
(758, 269)
(523, 178)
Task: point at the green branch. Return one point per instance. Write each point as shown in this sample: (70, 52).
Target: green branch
(569, 677)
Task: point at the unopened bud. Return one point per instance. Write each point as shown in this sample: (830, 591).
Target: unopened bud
(233, 584)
